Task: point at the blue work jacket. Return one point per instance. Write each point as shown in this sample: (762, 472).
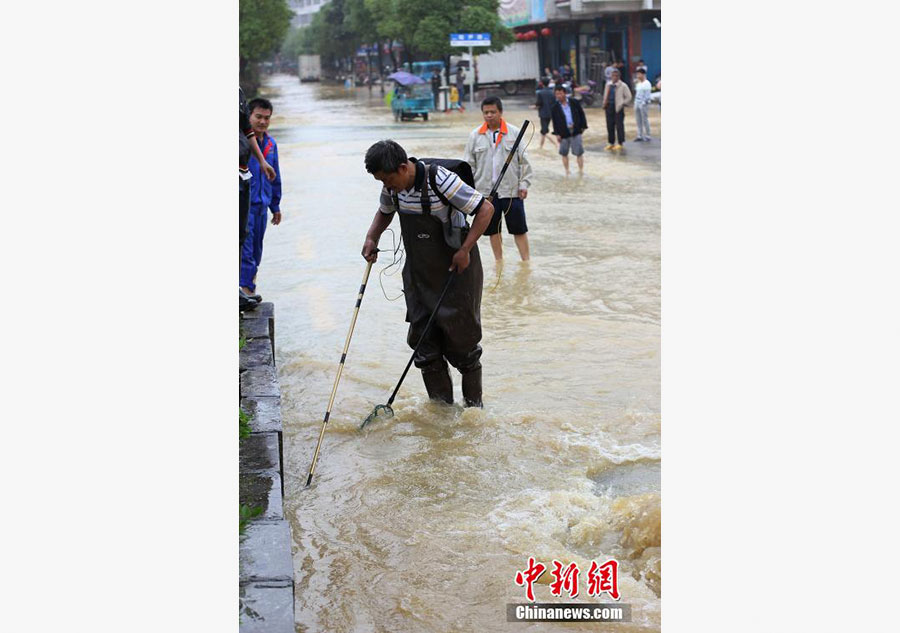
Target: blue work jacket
(262, 192)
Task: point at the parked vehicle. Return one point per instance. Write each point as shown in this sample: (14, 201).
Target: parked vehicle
(514, 69)
(411, 97)
(413, 101)
(426, 69)
(310, 68)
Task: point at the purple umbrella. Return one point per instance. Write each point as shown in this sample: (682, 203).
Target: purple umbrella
(404, 78)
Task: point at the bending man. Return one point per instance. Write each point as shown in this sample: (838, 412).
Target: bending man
(438, 241)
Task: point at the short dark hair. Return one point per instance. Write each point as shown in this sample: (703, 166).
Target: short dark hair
(385, 156)
(641, 70)
(259, 102)
(559, 87)
(492, 101)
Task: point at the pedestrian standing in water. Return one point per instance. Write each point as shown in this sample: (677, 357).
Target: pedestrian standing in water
(438, 241)
(461, 86)
(265, 196)
(436, 89)
(642, 90)
(568, 124)
(624, 75)
(557, 79)
(608, 71)
(615, 97)
(544, 105)
(486, 151)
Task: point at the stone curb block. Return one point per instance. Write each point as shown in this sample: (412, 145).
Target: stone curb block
(265, 552)
(255, 328)
(262, 489)
(265, 412)
(260, 381)
(256, 353)
(267, 607)
(259, 453)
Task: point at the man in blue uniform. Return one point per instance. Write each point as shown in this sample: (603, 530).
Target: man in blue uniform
(264, 195)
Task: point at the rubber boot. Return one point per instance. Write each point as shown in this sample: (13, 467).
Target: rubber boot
(438, 383)
(471, 388)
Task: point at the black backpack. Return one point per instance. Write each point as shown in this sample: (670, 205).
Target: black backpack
(462, 169)
(459, 167)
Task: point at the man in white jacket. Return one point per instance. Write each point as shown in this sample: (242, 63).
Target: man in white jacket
(486, 151)
(616, 96)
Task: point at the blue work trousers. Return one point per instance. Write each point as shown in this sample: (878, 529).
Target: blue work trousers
(251, 253)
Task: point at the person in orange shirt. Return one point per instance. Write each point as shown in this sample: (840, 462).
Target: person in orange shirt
(486, 151)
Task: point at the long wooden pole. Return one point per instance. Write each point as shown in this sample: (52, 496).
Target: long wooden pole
(337, 379)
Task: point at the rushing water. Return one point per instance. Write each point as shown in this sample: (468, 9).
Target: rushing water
(420, 523)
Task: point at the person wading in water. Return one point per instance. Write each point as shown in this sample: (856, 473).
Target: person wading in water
(437, 240)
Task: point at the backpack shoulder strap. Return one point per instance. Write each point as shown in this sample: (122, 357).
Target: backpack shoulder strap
(432, 178)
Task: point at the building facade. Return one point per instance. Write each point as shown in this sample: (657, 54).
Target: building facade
(304, 11)
(587, 34)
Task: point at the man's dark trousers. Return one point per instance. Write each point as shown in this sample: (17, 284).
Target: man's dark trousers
(615, 124)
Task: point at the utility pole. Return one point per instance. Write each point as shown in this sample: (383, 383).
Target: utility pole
(471, 78)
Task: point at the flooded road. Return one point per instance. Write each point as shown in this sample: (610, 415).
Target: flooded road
(419, 523)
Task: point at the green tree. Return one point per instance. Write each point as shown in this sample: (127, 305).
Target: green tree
(339, 28)
(425, 28)
(263, 25)
(329, 32)
(297, 42)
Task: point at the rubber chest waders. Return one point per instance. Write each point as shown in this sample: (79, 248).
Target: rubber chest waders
(442, 308)
(421, 274)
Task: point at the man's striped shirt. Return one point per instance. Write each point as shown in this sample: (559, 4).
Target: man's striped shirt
(463, 198)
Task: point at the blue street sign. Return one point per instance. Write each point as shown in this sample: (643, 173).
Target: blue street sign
(470, 39)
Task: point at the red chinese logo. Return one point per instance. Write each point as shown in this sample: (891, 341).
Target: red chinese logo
(607, 580)
(567, 579)
(601, 578)
(528, 577)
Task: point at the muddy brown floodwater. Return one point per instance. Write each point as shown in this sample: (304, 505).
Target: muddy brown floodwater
(419, 523)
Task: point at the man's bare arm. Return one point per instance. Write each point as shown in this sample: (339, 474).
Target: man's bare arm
(268, 170)
(379, 223)
(479, 225)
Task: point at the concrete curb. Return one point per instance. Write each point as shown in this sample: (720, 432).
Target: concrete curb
(266, 582)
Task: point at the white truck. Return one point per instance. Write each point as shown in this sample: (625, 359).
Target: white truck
(310, 68)
(516, 68)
